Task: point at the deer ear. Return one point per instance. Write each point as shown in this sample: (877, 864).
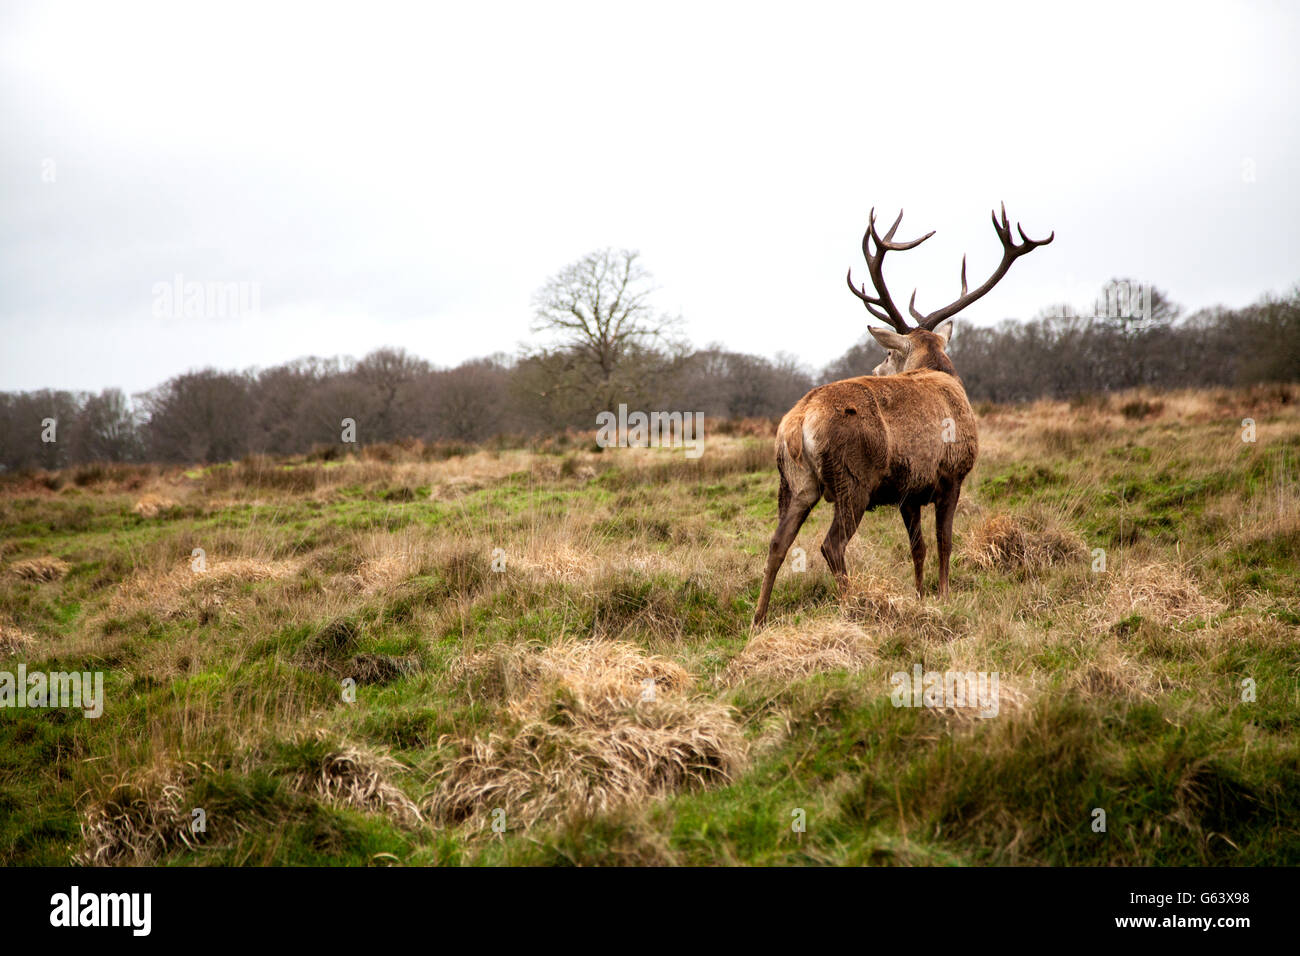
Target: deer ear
(944, 331)
(891, 340)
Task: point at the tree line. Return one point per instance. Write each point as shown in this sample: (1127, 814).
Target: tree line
(600, 343)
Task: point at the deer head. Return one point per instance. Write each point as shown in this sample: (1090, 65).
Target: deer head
(905, 352)
(909, 347)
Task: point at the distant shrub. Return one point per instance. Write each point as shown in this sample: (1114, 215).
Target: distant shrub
(321, 452)
(1141, 408)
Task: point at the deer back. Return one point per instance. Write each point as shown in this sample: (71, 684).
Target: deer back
(896, 436)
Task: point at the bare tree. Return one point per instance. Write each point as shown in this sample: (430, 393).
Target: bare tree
(26, 440)
(599, 310)
(390, 374)
(106, 428)
(469, 401)
(199, 416)
(281, 398)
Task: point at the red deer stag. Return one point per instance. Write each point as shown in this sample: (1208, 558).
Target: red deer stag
(905, 436)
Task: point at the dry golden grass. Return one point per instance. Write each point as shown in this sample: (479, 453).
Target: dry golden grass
(790, 651)
(359, 777)
(384, 571)
(1164, 593)
(576, 559)
(878, 602)
(612, 670)
(139, 817)
(457, 486)
(182, 592)
(560, 561)
(1117, 675)
(151, 505)
(1252, 629)
(1008, 542)
(1010, 699)
(1024, 431)
(14, 640)
(586, 733)
(584, 762)
(46, 568)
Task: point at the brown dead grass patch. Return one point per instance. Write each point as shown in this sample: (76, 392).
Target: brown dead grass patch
(141, 816)
(613, 669)
(181, 591)
(1009, 699)
(961, 695)
(788, 652)
(381, 668)
(360, 778)
(591, 726)
(560, 561)
(563, 561)
(1116, 676)
(45, 568)
(151, 506)
(138, 819)
(381, 572)
(1164, 593)
(454, 487)
(1009, 542)
(876, 601)
(14, 640)
(655, 563)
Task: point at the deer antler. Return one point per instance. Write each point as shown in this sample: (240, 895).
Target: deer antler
(1010, 253)
(882, 305)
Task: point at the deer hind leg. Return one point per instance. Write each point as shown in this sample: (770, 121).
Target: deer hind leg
(848, 514)
(794, 509)
(912, 520)
(945, 508)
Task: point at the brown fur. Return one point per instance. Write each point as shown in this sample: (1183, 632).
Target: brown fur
(875, 440)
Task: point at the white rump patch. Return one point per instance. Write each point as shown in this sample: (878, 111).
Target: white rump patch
(809, 444)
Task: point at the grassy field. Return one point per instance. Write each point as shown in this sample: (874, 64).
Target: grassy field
(553, 662)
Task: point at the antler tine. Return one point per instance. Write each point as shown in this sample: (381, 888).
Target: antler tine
(1034, 242)
(911, 306)
(887, 243)
(882, 304)
(1010, 253)
(873, 305)
(892, 229)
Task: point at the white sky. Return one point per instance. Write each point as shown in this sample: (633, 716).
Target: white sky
(408, 176)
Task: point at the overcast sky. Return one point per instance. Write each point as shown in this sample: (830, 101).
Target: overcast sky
(403, 176)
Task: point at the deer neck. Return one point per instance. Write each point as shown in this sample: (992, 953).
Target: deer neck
(932, 360)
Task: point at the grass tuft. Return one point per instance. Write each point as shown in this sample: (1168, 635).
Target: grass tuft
(47, 568)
